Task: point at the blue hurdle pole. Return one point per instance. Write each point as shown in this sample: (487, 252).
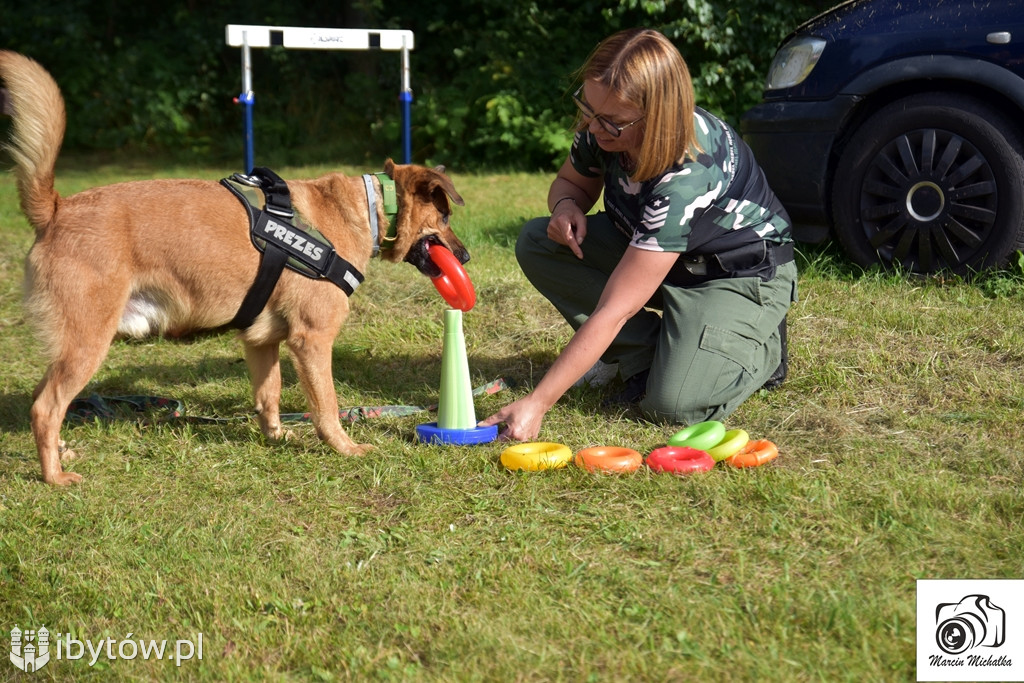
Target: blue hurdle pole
(406, 99)
(247, 98)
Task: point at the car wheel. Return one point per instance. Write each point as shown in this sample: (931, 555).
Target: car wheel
(931, 183)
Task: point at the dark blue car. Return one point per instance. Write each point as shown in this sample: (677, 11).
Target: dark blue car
(898, 128)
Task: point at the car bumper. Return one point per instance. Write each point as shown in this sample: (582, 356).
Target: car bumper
(792, 142)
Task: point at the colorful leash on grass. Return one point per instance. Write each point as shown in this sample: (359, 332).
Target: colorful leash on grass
(155, 409)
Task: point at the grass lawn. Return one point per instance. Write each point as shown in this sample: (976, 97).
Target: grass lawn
(899, 432)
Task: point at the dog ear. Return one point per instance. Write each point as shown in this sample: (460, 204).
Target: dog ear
(427, 179)
(441, 180)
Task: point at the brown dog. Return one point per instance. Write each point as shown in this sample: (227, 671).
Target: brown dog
(173, 256)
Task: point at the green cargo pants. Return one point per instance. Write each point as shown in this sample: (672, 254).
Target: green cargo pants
(708, 346)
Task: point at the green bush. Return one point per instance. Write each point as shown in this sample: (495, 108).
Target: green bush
(490, 79)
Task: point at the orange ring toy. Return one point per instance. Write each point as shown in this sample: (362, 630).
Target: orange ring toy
(453, 284)
(679, 460)
(609, 459)
(539, 455)
(754, 453)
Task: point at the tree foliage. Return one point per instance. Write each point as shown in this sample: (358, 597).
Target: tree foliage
(490, 78)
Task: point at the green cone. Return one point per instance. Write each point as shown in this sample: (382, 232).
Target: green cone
(455, 403)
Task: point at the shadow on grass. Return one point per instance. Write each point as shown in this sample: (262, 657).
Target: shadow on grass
(400, 379)
(14, 412)
(828, 261)
(504, 234)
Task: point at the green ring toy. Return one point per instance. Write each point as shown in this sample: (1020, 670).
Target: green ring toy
(702, 436)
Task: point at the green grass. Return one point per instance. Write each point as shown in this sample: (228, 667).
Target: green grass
(899, 432)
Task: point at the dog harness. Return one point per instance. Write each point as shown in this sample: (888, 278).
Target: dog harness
(286, 240)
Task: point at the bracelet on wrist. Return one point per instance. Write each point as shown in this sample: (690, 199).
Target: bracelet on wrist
(572, 199)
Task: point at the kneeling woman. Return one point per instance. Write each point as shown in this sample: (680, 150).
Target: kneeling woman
(690, 228)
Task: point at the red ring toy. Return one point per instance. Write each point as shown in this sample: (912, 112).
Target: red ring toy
(754, 453)
(453, 283)
(679, 460)
(609, 459)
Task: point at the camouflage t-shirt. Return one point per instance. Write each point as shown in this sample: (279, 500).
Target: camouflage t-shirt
(718, 202)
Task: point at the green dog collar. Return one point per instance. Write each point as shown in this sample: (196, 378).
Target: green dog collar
(390, 201)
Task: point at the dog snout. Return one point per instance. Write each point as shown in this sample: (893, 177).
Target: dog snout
(453, 245)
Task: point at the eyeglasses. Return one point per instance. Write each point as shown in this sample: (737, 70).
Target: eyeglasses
(588, 114)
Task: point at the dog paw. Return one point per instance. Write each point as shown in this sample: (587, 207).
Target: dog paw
(64, 479)
(65, 453)
(275, 433)
(358, 449)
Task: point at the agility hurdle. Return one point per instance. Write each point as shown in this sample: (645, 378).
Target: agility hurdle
(294, 37)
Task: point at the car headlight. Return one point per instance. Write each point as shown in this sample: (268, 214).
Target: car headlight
(794, 62)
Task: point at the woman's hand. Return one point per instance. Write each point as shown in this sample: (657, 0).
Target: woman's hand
(568, 226)
(522, 419)
(570, 197)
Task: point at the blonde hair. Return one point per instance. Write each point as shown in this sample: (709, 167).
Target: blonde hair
(643, 68)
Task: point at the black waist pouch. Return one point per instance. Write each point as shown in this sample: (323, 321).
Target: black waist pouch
(757, 259)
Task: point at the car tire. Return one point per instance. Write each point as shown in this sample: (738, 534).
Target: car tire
(931, 182)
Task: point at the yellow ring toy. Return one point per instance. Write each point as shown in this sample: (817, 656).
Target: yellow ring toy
(539, 455)
(754, 453)
(609, 459)
(702, 436)
(730, 445)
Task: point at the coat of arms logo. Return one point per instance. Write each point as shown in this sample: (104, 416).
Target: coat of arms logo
(30, 650)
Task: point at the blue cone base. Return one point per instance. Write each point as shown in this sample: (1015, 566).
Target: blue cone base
(431, 433)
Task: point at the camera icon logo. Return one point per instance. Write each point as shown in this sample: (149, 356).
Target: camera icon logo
(972, 622)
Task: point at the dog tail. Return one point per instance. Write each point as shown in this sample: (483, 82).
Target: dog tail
(37, 132)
